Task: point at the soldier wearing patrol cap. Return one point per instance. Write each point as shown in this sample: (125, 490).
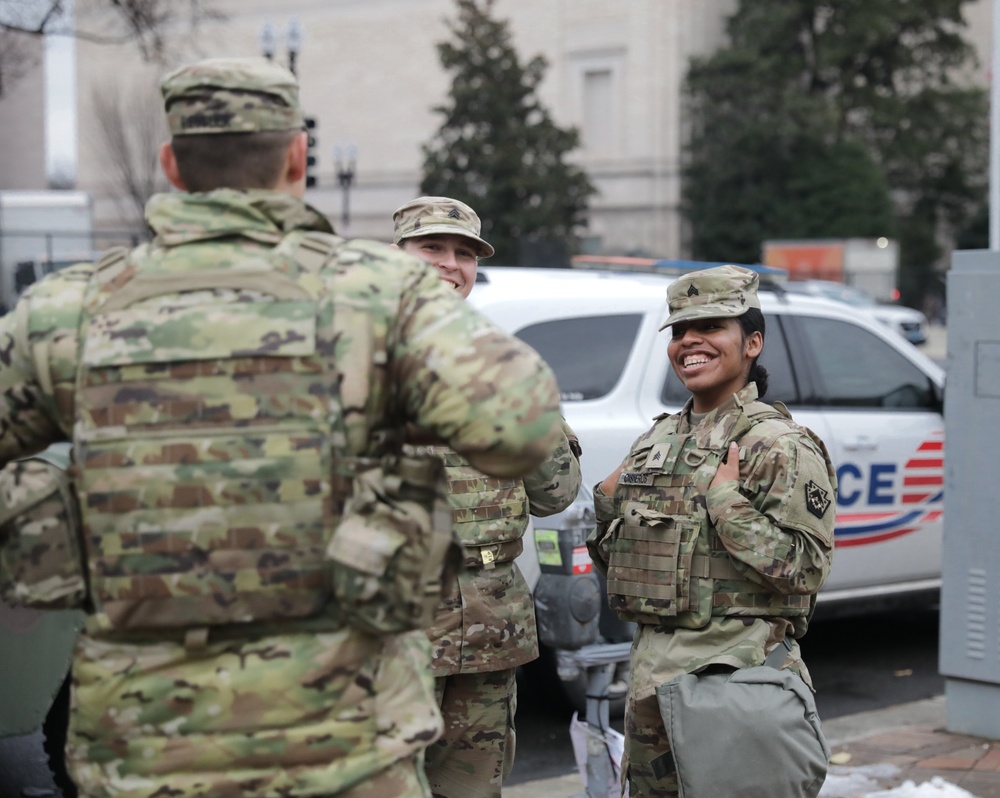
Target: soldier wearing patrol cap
(235, 394)
(716, 532)
(485, 627)
(445, 233)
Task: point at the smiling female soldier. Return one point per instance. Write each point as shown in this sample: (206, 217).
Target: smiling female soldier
(716, 532)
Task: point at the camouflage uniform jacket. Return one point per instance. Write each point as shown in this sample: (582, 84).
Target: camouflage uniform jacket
(306, 708)
(767, 529)
(487, 620)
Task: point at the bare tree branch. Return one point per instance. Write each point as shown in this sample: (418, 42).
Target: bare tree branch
(146, 23)
(17, 58)
(131, 128)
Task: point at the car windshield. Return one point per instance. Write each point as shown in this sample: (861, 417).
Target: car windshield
(606, 340)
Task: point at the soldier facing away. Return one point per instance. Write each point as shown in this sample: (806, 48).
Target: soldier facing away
(256, 553)
(716, 532)
(485, 627)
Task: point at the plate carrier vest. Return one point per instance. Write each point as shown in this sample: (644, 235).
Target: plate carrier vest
(204, 435)
(666, 564)
(490, 513)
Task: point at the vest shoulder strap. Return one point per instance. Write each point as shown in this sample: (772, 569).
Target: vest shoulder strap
(758, 411)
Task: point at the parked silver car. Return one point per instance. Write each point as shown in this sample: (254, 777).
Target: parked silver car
(910, 323)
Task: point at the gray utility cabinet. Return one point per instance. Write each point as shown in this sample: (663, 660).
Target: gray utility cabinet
(970, 593)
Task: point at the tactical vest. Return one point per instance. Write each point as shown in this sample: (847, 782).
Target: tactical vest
(204, 430)
(490, 514)
(666, 563)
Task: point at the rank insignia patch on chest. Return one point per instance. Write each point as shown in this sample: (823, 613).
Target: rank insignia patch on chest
(817, 499)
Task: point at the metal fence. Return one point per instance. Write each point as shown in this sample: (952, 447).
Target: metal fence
(53, 245)
(27, 256)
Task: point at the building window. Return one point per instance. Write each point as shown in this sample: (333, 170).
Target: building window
(597, 79)
(598, 112)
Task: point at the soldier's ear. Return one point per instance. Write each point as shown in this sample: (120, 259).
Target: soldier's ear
(295, 160)
(168, 162)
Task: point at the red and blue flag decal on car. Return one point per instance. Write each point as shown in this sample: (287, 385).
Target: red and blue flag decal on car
(915, 492)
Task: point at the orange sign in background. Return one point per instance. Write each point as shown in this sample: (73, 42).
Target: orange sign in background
(813, 261)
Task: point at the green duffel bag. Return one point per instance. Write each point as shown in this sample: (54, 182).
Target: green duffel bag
(752, 732)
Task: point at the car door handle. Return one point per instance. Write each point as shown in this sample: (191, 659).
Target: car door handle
(862, 443)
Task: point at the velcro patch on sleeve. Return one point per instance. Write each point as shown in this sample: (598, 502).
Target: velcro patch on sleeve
(817, 499)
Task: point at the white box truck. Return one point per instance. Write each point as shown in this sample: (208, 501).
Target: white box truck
(41, 231)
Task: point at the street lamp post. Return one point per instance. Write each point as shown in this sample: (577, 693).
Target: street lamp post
(293, 42)
(345, 168)
(267, 41)
(293, 39)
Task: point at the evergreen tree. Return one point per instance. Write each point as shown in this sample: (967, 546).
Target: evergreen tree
(836, 119)
(498, 148)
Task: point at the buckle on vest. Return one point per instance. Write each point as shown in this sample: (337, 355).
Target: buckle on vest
(695, 458)
(196, 638)
(488, 556)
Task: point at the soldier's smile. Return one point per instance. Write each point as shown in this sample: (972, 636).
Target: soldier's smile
(711, 359)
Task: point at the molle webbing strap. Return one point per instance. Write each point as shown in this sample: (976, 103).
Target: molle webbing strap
(632, 572)
(665, 591)
(312, 251)
(486, 510)
(149, 286)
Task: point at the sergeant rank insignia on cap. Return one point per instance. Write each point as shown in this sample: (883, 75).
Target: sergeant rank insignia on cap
(817, 499)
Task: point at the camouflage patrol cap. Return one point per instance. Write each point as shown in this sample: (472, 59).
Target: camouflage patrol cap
(231, 95)
(426, 216)
(720, 292)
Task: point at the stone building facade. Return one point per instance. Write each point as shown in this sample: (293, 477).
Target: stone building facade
(371, 77)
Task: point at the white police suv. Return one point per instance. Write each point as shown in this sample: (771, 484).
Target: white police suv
(875, 399)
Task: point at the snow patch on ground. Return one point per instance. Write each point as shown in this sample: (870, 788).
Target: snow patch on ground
(863, 782)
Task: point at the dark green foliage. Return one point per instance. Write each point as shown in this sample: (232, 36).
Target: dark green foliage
(806, 191)
(836, 119)
(499, 150)
(919, 251)
(836, 191)
(976, 234)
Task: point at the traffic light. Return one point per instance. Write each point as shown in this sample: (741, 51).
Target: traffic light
(311, 152)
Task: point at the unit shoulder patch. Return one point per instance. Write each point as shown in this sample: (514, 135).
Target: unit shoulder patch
(817, 499)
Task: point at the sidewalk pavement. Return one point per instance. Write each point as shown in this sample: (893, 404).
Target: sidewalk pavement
(902, 751)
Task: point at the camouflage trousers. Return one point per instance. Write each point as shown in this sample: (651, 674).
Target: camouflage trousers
(475, 753)
(648, 765)
(403, 779)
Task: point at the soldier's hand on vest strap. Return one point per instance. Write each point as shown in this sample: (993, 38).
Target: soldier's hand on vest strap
(729, 468)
